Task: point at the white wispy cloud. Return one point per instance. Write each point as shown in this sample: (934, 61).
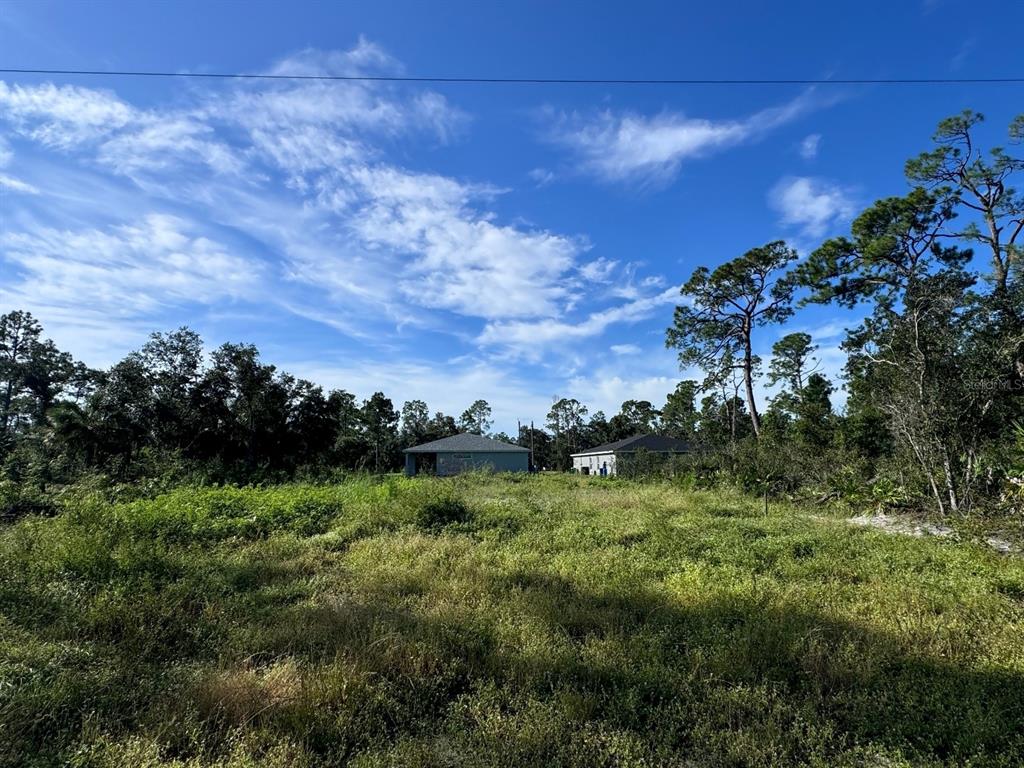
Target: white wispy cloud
(529, 338)
(17, 185)
(421, 239)
(831, 330)
(812, 205)
(962, 54)
(636, 148)
(615, 379)
(598, 270)
(162, 142)
(625, 349)
(127, 139)
(8, 182)
(443, 251)
(365, 56)
(127, 271)
(541, 176)
(607, 393)
(304, 127)
(100, 292)
(287, 197)
(630, 285)
(63, 116)
(809, 146)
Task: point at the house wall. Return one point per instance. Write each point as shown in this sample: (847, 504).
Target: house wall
(503, 461)
(594, 462)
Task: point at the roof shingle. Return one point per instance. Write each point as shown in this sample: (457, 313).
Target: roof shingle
(654, 443)
(466, 443)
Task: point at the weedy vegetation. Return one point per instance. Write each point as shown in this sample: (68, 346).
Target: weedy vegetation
(498, 621)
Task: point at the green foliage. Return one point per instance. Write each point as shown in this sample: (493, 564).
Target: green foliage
(440, 513)
(792, 361)
(565, 420)
(636, 417)
(381, 423)
(714, 329)
(643, 464)
(679, 416)
(33, 375)
(218, 513)
(1012, 482)
(477, 418)
(572, 621)
(19, 500)
(958, 169)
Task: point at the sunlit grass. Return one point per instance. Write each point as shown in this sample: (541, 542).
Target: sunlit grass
(499, 621)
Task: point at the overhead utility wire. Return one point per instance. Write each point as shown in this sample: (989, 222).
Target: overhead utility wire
(529, 80)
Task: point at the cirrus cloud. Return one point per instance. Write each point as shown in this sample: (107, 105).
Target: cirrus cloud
(650, 150)
(297, 205)
(811, 205)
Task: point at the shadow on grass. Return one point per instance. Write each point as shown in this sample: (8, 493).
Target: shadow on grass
(521, 680)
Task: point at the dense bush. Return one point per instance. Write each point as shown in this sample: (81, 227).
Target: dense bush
(18, 500)
(217, 513)
(440, 513)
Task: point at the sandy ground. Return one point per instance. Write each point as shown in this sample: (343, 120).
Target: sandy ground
(910, 527)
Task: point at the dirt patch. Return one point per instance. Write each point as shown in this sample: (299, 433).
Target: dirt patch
(904, 525)
(909, 527)
(1002, 545)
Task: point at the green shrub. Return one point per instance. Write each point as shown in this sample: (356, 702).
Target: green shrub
(17, 500)
(220, 513)
(445, 512)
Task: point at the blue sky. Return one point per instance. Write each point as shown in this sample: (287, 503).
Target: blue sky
(450, 242)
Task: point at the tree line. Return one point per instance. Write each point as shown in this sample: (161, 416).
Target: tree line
(933, 374)
(167, 409)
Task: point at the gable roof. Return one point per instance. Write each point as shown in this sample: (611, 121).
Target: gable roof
(653, 443)
(466, 443)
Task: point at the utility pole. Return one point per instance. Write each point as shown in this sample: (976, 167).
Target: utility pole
(533, 466)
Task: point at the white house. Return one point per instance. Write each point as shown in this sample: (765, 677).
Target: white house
(603, 459)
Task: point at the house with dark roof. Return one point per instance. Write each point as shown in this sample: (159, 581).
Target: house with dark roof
(463, 453)
(604, 459)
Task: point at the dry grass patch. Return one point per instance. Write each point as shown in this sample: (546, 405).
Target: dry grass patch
(240, 696)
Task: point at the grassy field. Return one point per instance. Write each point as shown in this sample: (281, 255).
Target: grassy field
(499, 621)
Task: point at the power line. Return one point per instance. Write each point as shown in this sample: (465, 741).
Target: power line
(529, 80)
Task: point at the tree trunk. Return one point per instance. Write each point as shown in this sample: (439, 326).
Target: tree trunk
(1000, 268)
(1001, 273)
(9, 389)
(924, 466)
(5, 417)
(748, 382)
(947, 472)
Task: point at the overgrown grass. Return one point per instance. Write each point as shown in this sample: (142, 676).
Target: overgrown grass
(499, 621)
